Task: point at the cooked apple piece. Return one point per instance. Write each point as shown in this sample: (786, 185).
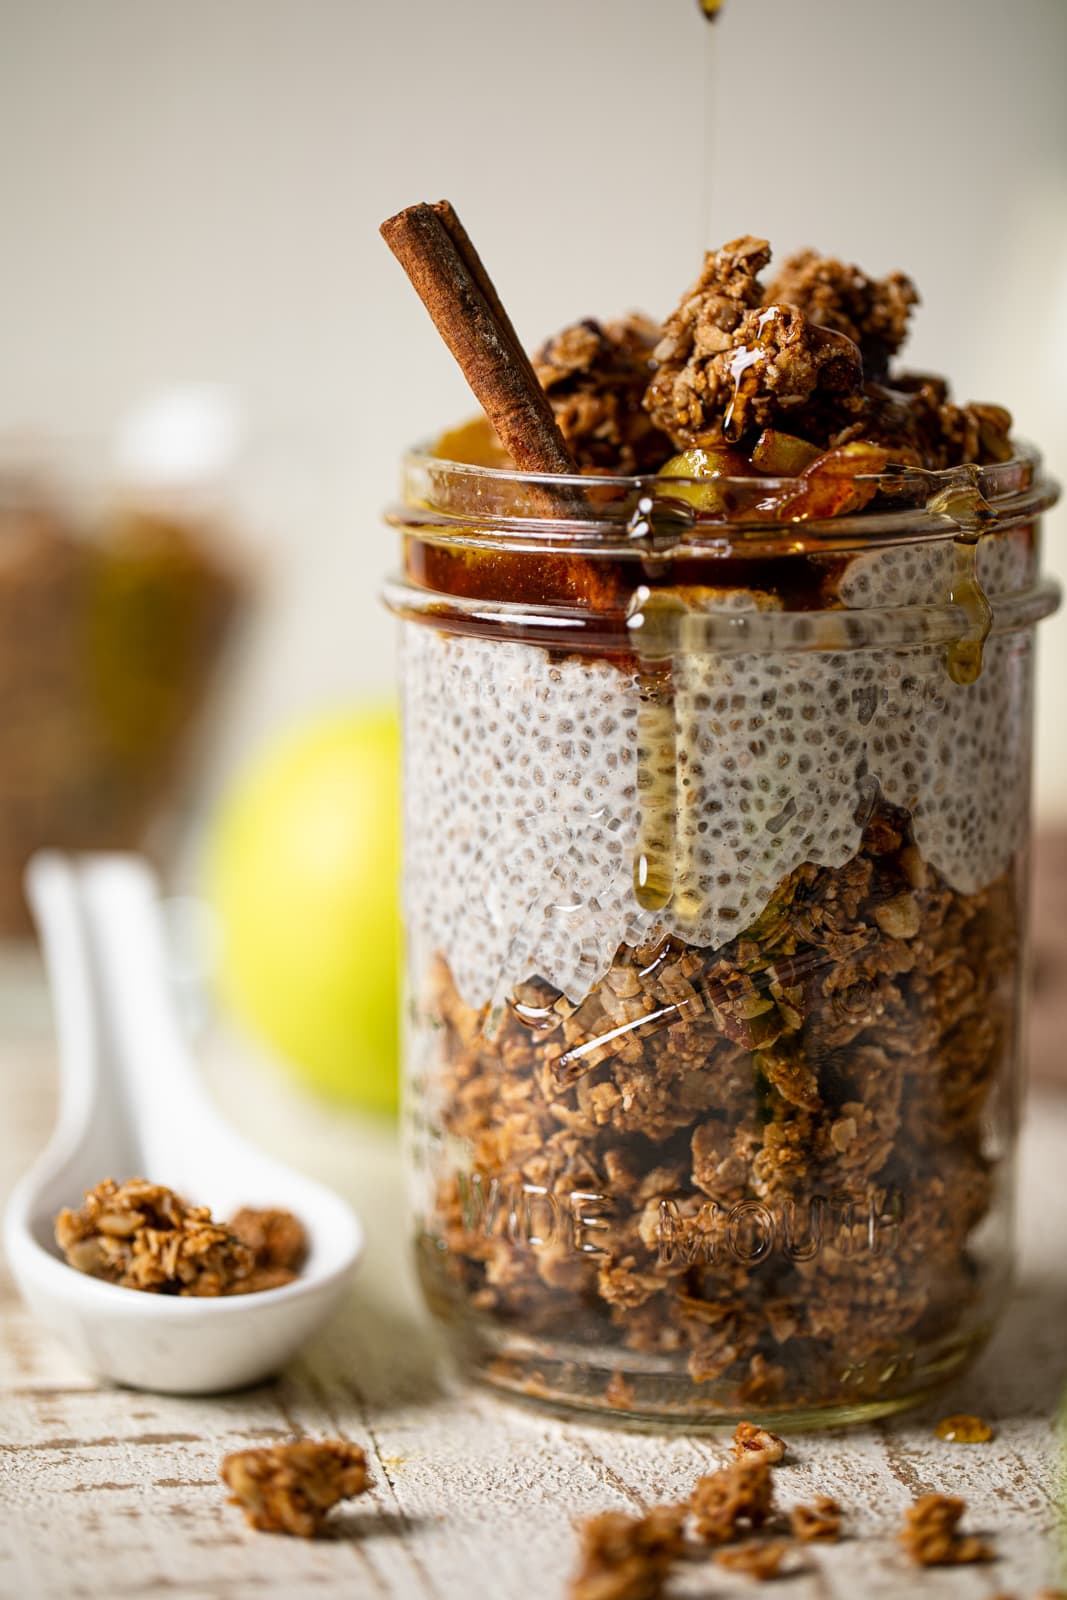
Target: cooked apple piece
(783, 455)
(473, 443)
(707, 465)
(832, 485)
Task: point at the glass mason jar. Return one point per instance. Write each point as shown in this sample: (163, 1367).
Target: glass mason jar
(717, 813)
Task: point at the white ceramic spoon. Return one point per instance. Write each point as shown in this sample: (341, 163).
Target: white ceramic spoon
(131, 1105)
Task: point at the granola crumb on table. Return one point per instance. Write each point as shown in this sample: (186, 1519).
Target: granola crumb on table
(290, 1488)
(627, 1558)
(731, 1501)
(817, 1523)
(141, 1235)
(749, 1441)
(761, 1561)
(930, 1534)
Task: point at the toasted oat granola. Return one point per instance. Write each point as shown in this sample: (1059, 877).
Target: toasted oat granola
(761, 1561)
(141, 1235)
(819, 1522)
(290, 1488)
(595, 375)
(727, 363)
(625, 1557)
(904, 1011)
(734, 1500)
(749, 1441)
(930, 1534)
(872, 312)
(276, 1238)
(808, 354)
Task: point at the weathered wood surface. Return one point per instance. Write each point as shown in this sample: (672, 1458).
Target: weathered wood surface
(111, 1493)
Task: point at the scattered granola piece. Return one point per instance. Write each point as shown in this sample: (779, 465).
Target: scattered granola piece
(819, 1522)
(289, 1488)
(627, 1558)
(733, 1500)
(750, 1441)
(760, 1561)
(595, 375)
(929, 1535)
(964, 1428)
(141, 1235)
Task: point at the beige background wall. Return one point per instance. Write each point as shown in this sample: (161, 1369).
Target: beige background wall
(192, 192)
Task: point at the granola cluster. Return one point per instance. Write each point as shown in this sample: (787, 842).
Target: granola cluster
(730, 1514)
(808, 354)
(278, 1244)
(141, 1235)
(722, 371)
(763, 1163)
(627, 1558)
(290, 1488)
(931, 1536)
(596, 375)
(734, 1512)
(872, 312)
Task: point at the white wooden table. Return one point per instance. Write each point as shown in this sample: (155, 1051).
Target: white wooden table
(106, 1492)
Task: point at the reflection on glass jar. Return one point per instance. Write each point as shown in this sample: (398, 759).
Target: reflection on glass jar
(715, 892)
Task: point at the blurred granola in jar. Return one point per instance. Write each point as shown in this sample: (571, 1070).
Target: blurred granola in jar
(117, 603)
(717, 811)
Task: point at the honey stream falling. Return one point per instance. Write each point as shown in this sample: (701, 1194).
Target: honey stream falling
(705, 211)
(661, 786)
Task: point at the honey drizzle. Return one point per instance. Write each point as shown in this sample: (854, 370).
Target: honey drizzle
(963, 657)
(968, 508)
(653, 621)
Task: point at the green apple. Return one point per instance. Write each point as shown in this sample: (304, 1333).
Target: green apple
(304, 874)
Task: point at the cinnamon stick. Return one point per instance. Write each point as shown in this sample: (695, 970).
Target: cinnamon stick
(450, 279)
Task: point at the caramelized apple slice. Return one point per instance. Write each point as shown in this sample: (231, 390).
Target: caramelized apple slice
(474, 444)
(716, 462)
(831, 486)
(783, 455)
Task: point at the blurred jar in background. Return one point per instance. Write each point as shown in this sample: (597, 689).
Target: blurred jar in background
(114, 623)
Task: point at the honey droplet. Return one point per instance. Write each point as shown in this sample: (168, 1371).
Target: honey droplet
(962, 1428)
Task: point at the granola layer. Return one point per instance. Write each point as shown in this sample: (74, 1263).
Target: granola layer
(766, 1162)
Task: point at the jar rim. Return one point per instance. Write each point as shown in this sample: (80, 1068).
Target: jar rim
(453, 501)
